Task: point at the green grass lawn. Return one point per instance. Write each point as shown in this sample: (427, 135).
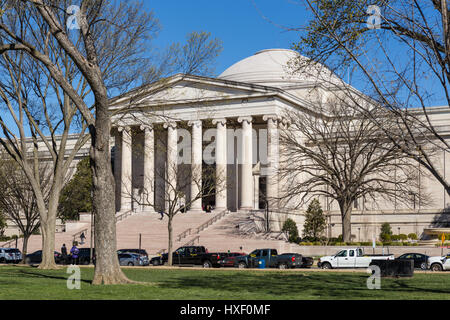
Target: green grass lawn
(219, 284)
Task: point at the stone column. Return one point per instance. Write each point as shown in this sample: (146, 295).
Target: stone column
(221, 164)
(149, 168)
(256, 192)
(247, 163)
(196, 164)
(273, 158)
(126, 186)
(172, 165)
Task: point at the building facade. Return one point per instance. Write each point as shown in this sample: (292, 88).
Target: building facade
(232, 122)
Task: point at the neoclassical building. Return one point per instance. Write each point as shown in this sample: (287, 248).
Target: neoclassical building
(244, 106)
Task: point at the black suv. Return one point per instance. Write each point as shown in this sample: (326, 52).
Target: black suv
(85, 254)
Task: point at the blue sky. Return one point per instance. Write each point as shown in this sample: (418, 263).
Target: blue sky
(242, 25)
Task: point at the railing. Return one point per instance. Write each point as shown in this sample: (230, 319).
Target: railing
(184, 234)
(78, 234)
(211, 221)
(124, 215)
(9, 243)
(192, 242)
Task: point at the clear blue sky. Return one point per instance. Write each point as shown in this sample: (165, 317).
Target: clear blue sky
(242, 25)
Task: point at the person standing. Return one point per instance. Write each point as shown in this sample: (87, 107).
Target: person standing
(64, 253)
(74, 253)
(82, 238)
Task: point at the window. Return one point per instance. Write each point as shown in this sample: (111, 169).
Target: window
(342, 253)
(359, 253)
(265, 253)
(352, 253)
(274, 252)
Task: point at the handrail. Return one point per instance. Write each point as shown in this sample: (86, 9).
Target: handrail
(124, 215)
(76, 235)
(206, 224)
(184, 234)
(9, 243)
(192, 241)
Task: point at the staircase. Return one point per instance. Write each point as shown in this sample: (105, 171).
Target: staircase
(238, 229)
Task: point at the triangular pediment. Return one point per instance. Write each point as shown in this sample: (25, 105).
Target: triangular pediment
(187, 89)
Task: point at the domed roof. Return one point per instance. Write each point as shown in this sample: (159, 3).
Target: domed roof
(273, 67)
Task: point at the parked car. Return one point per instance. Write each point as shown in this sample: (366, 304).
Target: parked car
(143, 254)
(229, 259)
(190, 255)
(420, 260)
(270, 258)
(84, 256)
(307, 262)
(129, 259)
(10, 255)
(350, 258)
(36, 257)
(439, 263)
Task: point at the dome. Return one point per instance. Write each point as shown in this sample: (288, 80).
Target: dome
(273, 67)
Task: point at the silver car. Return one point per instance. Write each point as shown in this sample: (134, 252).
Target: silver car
(10, 255)
(130, 259)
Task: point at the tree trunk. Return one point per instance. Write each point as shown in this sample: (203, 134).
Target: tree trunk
(25, 248)
(170, 247)
(346, 214)
(48, 227)
(107, 268)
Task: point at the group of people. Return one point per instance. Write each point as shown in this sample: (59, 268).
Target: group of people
(72, 257)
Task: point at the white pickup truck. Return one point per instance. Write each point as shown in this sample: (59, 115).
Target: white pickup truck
(350, 258)
(439, 263)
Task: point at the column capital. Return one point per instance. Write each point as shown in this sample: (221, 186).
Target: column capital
(196, 123)
(222, 121)
(271, 117)
(171, 124)
(285, 121)
(124, 128)
(145, 127)
(248, 119)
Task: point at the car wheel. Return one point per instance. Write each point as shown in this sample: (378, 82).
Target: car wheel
(156, 263)
(282, 266)
(242, 265)
(326, 265)
(436, 267)
(207, 264)
(130, 264)
(423, 266)
(2, 260)
(28, 261)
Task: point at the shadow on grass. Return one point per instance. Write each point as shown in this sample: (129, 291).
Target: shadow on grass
(30, 274)
(329, 286)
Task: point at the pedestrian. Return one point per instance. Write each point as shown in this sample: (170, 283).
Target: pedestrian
(74, 254)
(161, 212)
(82, 238)
(208, 208)
(64, 253)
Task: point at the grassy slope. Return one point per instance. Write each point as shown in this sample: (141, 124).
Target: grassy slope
(31, 283)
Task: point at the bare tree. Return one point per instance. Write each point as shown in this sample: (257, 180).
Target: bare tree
(17, 199)
(342, 155)
(123, 30)
(399, 55)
